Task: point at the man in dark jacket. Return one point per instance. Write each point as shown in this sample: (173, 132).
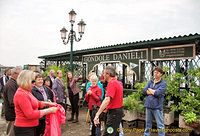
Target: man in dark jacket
(52, 77)
(155, 90)
(8, 94)
(3, 80)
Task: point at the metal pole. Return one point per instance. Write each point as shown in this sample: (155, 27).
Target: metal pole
(71, 52)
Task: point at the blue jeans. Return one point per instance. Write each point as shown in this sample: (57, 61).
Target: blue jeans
(158, 115)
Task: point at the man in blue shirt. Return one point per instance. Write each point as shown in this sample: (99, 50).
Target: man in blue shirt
(155, 90)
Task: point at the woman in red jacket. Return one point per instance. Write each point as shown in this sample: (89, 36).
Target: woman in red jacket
(26, 106)
(73, 91)
(93, 97)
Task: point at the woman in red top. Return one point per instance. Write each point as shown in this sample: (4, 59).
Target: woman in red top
(26, 106)
(93, 96)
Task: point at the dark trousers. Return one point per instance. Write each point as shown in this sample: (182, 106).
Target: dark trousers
(74, 102)
(25, 131)
(93, 131)
(41, 127)
(93, 126)
(114, 118)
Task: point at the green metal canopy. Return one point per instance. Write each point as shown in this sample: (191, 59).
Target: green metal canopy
(176, 40)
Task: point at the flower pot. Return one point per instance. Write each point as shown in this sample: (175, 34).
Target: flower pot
(142, 115)
(182, 123)
(168, 118)
(130, 115)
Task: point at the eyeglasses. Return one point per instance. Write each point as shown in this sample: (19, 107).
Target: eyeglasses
(33, 81)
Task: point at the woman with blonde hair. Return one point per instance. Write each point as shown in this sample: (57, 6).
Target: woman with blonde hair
(26, 106)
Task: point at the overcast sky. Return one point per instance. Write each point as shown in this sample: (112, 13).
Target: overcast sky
(30, 28)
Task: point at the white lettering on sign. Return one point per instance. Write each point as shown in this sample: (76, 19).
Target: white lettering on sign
(115, 57)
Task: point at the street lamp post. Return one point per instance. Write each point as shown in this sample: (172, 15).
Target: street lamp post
(72, 34)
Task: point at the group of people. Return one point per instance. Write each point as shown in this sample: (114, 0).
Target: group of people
(112, 103)
(30, 100)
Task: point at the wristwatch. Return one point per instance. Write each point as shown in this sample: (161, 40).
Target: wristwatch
(96, 117)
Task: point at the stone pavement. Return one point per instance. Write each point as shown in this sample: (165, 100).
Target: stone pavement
(83, 129)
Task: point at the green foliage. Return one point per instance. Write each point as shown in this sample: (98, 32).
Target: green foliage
(140, 87)
(194, 73)
(64, 70)
(133, 102)
(173, 83)
(189, 104)
(129, 103)
(190, 117)
(140, 108)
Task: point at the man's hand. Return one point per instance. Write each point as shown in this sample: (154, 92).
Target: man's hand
(148, 92)
(96, 120)
(151, 91)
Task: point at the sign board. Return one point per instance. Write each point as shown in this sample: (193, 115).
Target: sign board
(178, 52)
(129, 57)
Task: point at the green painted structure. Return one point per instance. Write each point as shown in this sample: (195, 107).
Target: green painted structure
(179, 53)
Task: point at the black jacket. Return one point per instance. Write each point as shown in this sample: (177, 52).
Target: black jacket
(2, 83)
(38, 95)
(8, 92)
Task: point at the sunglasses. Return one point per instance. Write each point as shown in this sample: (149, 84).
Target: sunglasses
(33, 81)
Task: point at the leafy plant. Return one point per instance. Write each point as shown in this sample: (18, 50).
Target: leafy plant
(140, 108)
(129, 103)
(133, 102)
(190, 117)
(189, 104)
(56, 68)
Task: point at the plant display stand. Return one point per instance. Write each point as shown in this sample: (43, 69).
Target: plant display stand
(168, 118)
(182, 123)
(141, 116)
(130, 115)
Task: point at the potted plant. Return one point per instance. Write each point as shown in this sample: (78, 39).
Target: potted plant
(129, 108)
(191, 119)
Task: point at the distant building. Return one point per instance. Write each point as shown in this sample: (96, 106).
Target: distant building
(32, 67)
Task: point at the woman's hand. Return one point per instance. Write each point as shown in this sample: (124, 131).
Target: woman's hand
(80, 76)
(45, 104)
(89, 92)
(53, 109)
(48, 110)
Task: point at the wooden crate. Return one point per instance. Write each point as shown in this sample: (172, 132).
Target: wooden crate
(130, 115)
(129, 124)
(168, 118)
